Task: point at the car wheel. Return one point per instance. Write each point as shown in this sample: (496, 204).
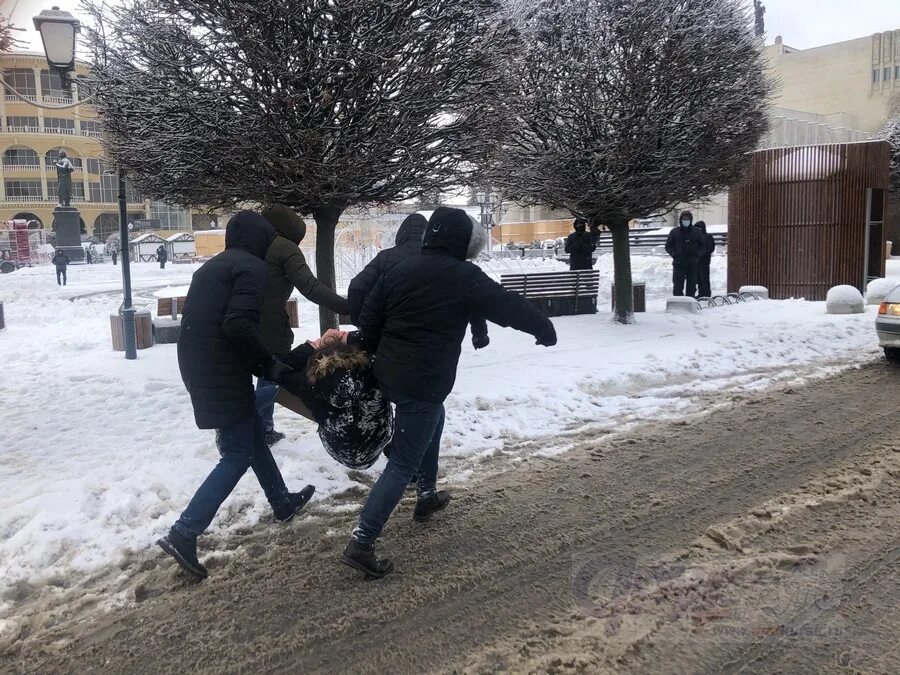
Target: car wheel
(892, 354)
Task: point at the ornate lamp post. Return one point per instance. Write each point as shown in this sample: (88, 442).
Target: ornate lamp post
(58, 29)
(488, 202)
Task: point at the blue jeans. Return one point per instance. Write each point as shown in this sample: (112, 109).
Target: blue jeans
(265, 402)
(242, 446)
(418, 426)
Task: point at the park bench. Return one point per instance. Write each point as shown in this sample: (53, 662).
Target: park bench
(557, 293)
(167, 327)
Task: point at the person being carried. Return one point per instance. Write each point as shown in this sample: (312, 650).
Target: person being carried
(61, 261)
(219, 351)
(414, 321)
(287, 270)
(580, 245)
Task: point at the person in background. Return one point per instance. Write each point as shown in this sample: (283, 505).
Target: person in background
(414, 321)
(684, 245)
(61, 261)
(88, 256)
(408, 242)
(580, 245)
(162, 255)
(704, 290)
(219, 351)
(115, 256)
(287, 270)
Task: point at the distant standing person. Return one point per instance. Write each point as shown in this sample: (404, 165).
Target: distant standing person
(88, 256)
(115, 256)
(704, 290)
(685, 243)
(61, 261)
(580, 245)
(163, 256)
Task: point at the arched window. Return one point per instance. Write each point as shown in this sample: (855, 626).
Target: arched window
(20, 157)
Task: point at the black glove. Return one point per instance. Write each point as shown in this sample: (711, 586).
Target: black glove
(547, 336)
(276, 371)
(480, 341)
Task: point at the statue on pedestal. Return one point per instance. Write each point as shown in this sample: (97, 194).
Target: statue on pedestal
(64, 171)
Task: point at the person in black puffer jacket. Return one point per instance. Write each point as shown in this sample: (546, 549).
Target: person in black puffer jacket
(219, 350)
(414, 321)
(408, 242)
(685, 244)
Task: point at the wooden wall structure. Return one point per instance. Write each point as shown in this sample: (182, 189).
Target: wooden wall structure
(798, 223)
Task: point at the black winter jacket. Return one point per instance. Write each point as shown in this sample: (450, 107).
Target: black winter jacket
(162, 255)
(407, 243)
(60, 260)
(288, 270)
(219, 349)
(580, 246)
(354, 417)
(709, 245)
(685, 245)
(414, 320)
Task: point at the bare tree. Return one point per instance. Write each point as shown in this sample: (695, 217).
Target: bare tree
(627, 108)
(891, 133)
(318, 104)
(8, 40)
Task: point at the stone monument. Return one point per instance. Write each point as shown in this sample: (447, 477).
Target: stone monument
(66, 218)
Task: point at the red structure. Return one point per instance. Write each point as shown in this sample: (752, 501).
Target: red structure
(807, 218)
(20, 245)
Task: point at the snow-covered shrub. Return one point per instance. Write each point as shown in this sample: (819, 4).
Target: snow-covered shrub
(844, 300)
(878, 289)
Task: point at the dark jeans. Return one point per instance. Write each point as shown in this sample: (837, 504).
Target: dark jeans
(703, 287)
(265, 402)
(60, 274)
(684, 278)
(418, 426)
(242, 446)
(162, 264)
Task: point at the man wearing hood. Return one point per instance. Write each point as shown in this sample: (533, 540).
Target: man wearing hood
(414, 321)
(408, 242)
(219, 351)
(704, 289)
(580, 245)
(287, 270)
(685, 244)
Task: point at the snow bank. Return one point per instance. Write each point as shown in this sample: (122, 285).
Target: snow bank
(844, 300)
(100, 454)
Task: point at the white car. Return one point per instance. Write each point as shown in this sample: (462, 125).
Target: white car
(887, 325)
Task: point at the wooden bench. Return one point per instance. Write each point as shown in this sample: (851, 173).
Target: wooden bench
(172, 307)
(557, 293)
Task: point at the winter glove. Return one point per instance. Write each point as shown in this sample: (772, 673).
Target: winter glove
(276, 371)
(480, 341)
(547, 336)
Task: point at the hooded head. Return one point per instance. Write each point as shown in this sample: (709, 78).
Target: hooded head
(580, 224)
(412, 229)
(686, 220)
(700, 225)
(286, 222)
(249, 231)
(453, 232)
(337, 373)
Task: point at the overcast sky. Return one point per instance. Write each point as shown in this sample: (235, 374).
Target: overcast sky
(803, 23)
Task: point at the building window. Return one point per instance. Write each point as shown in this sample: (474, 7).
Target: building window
(15, 124)
(897, 72)
(90, 128)
(107, 190)
(876, 75)
(22, 80)
(77, 190)
(52, 157)
(170, 217)
(59, 125)
(21, 157)
(23, 190)
(887, 74)
(52, 88)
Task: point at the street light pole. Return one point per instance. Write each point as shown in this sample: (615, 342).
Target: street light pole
(129, 334)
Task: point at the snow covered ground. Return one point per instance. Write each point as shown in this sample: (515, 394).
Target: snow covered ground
(100, 454)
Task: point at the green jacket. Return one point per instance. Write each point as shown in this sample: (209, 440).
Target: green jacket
(288, 270)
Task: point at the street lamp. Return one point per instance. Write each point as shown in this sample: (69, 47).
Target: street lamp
(58, 29)
(487, 201)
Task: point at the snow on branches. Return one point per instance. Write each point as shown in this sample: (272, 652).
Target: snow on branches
(629, 107)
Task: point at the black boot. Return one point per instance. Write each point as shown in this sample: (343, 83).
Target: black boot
(273, 437)
(297, 500)
(184, 550)
(362, 557)
(436, 501)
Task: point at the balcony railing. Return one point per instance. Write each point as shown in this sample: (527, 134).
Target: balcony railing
(23, 130)
(30, 97)
(24, 198)
(52, 167)
(59, 130)
(92, 134)
(59, 100)
(21, 167)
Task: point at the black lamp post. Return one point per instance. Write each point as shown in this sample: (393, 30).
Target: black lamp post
(487, 201)
(127, 311)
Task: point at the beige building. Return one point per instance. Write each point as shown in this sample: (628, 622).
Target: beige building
(30, 141)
